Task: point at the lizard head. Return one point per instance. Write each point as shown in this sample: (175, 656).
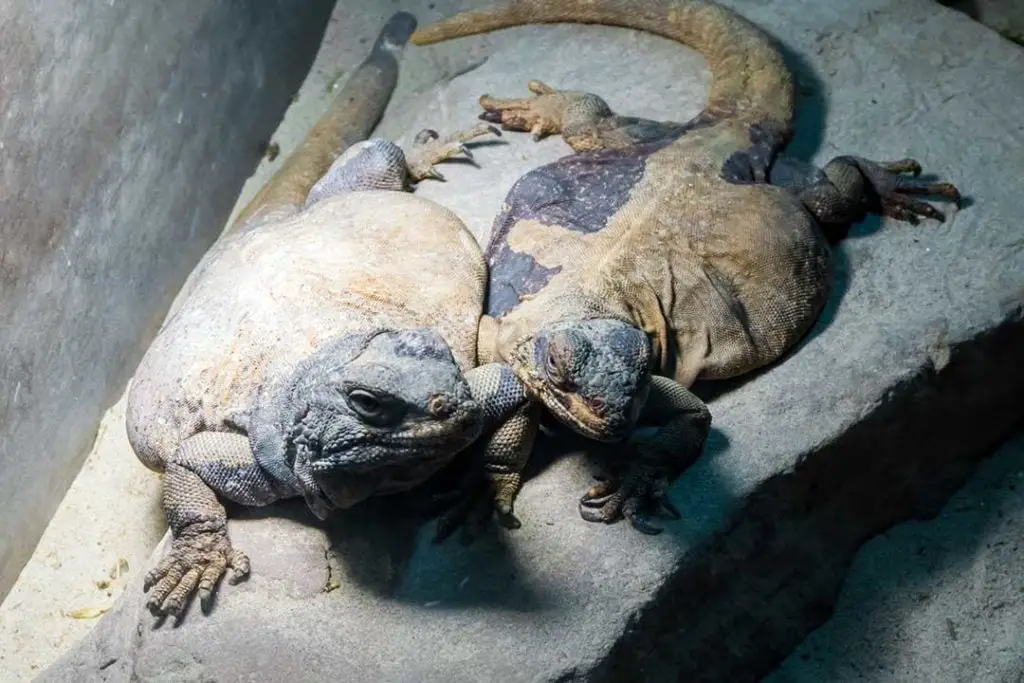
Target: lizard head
(382, 417)
(593, 375)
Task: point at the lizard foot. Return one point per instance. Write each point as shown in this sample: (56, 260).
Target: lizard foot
(892, 193)
(429, 149)
(641, 493)
(540, 115)
(472, 505)
(198, 557)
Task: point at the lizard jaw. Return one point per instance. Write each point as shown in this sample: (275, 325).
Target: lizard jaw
(572, 410)
(569, 408)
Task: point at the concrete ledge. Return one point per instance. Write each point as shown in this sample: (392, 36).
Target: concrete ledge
(913, 373)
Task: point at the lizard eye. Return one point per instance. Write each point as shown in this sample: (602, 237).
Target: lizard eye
(556, 373)
(365, 404)
(377, 409)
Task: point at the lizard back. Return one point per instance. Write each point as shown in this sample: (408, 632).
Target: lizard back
(726, 274)
(264, 298)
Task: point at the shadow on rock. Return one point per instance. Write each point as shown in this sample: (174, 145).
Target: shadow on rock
(386, 546)
(948, 582)
(811, 106)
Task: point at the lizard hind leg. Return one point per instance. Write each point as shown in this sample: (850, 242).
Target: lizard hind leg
(856, 185)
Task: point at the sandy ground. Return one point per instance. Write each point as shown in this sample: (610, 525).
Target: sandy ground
(110, 520)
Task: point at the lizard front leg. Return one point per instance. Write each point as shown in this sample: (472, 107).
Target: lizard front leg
(670, 436)
(493, 479)
(203, 466)
(584, 120)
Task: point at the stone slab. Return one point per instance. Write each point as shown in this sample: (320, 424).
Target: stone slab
(127, 131)
(912, 374)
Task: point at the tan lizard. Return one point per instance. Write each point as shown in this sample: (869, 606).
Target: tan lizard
(660, 253)
(326, 347)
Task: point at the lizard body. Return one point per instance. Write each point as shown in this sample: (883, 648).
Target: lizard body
(660, 253)
(326, 347)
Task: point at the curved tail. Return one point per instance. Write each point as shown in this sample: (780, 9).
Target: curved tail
(748, 77)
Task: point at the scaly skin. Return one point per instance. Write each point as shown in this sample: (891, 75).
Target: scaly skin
(326, 347)
(680, 251)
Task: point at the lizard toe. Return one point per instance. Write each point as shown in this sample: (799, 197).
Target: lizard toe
(641, 493)
(893, 192)
(195, 561)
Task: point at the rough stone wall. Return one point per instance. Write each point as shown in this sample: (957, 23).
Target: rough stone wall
(126, 132)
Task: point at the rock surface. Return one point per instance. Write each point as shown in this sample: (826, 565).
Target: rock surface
(128, 129)
(1005, 17)
(911, 376)
(933, 601)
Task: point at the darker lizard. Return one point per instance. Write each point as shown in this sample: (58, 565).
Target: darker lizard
(660, 253)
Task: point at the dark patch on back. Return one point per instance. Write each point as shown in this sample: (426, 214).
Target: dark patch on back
(512, 276)
(751, 165)
(580, 193)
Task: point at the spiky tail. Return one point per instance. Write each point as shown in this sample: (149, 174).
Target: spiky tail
(748, 77)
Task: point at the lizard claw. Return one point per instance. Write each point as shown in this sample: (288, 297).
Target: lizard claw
(641, 493)
(198, 557)
(892, 194)
(430, 149)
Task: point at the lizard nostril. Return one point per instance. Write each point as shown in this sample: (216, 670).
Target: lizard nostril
(440, 406)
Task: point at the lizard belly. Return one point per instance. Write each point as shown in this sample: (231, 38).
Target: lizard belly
(264, 299)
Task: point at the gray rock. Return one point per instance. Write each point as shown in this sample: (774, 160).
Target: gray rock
(911, 375)
(1005, 17)
(127, 130)
(939, 600)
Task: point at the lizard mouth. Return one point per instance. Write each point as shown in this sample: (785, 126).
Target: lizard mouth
(572, 409)
(418, 443)
(569, 408)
